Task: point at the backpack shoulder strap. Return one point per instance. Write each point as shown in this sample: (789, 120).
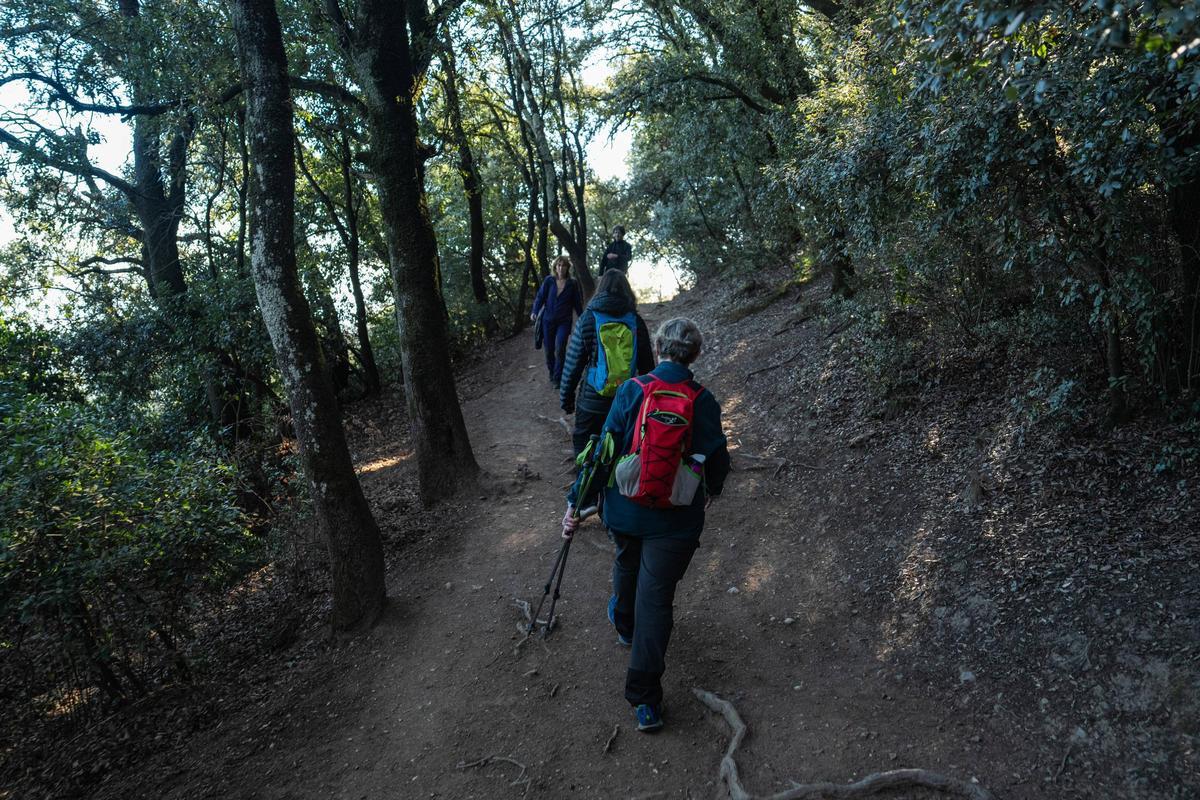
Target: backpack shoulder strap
(646, 384)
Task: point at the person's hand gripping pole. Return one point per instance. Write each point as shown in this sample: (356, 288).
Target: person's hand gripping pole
(587, 461)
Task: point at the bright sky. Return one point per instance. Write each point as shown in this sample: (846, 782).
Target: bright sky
(652, 280)
(607, 157)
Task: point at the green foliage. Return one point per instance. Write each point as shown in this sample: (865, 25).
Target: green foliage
(1050, 397)
(1184, 451)
(991, 168)
(104, 545)
(31, 362)
(997, 175)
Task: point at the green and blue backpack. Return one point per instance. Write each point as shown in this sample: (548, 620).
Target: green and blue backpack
(616, 351)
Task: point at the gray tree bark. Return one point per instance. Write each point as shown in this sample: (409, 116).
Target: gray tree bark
(355, 549)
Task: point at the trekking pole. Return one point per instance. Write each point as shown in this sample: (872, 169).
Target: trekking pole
(560, 568)
(560, 562)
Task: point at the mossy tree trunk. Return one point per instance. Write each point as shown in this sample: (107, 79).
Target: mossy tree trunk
(355, 548)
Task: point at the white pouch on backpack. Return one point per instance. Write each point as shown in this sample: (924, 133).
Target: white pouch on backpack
(688, 479)
(628, 474)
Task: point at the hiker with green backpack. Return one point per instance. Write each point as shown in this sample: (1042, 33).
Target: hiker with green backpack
(660, 458)
(609, 345)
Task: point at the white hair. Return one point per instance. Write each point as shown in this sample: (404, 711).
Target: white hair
(679, 340)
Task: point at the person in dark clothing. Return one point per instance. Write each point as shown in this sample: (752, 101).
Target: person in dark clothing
(618, 253)
(559, 301)
(654, 545)
(583, 370)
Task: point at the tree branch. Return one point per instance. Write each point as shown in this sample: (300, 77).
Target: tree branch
(61, 93)
(729, 86)
(82, 170)
(87, 267)
(13, 31)
(345, 34)
(325, 199)
(330, 91)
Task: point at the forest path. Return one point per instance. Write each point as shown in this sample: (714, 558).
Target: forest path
(767, 617)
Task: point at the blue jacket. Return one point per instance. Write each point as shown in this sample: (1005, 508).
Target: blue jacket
(558, 305)
(582, 353)
(708, 439)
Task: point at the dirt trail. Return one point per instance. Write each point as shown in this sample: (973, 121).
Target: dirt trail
(768, 617)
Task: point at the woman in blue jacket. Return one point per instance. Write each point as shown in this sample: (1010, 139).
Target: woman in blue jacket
(654, 545)
(557, 298)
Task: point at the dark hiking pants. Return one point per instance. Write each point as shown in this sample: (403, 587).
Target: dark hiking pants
(554, 341)
(587, 422)
(645, 573)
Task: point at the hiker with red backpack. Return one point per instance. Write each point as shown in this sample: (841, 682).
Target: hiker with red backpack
(661, 457)
(610, 344)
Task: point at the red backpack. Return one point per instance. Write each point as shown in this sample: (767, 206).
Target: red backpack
(655, 471)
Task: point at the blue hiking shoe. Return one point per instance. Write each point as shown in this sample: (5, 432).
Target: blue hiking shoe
(649, 718)
(612, 619)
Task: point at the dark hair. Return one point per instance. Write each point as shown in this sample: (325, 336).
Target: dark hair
(614, 282)
(619, 228)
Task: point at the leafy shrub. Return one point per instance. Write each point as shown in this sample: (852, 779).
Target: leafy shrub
(984, 163)
(1049, 396)
(1181, 453)
(103, 545)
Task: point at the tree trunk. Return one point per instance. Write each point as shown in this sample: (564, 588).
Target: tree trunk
(160, 209)
(243, 194)
(334, 348)
(528, 272)
(530, 111)
(1118, 409)
(1185, 220)
(543, 248)
(472, 186)
(157, 214)
(382, 56)
(366, 352)
(355, 549)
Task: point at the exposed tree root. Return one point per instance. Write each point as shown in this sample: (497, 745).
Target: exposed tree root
(483, 762)
(612, 737)
(528, 628)
(872, 784)
(560, 421)
(526, 612)
(776, 365)
(766, 462)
